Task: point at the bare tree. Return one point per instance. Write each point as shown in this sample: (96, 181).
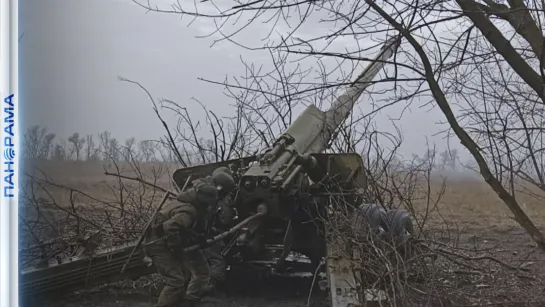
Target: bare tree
(38, 143)
(114, 149)
(449, 159)
(65, 150)
(479, 62)
(47, 145)
(91, 152)
(104, 144)
(184, 142)
(110, 147)
(454, 158)
(32, 141)
(129, 150)
(77, 145)
(485, 48)
(147, 150)
(59, 153)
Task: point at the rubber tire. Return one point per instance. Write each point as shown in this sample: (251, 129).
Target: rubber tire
(368, 217)
(399, 227)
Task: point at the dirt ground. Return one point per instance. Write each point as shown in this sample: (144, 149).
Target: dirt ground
(510, 246)
(282, 292)
(471, 210)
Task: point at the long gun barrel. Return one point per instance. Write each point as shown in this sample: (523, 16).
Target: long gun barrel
(343, 105)
(310, 133)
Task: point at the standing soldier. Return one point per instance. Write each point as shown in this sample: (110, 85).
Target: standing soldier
(179, 224)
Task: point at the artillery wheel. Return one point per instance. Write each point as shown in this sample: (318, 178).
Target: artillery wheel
(368, 218)
(399, 229)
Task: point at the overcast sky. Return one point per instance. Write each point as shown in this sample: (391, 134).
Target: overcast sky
(73, 52)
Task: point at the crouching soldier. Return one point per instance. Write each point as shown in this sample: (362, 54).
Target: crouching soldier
(222, 177)
(180, 222)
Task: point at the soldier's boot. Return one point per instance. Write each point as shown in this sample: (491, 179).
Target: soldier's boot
(210, 289)
(173, 275)
(197, 265)
(215, 285)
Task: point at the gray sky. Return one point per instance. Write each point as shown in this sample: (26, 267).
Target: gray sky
(73, 51)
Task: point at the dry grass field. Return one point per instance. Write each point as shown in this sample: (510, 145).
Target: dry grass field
(469, 203)
(469, 209)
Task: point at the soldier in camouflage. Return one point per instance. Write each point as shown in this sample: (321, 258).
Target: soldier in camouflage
(179, 223)
(224, 218)
(223, 179)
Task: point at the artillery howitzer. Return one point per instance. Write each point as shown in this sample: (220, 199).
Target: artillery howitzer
(280, 199)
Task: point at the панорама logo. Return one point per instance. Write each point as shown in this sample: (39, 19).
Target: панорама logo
(9, 147)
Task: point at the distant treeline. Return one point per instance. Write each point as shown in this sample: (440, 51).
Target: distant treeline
(39, 144)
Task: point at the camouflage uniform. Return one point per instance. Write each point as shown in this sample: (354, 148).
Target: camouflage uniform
(218, 266)
(179, 222)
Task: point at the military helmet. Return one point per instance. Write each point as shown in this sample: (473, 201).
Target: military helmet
(223, 169)
(224, 182)
(206, 194)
